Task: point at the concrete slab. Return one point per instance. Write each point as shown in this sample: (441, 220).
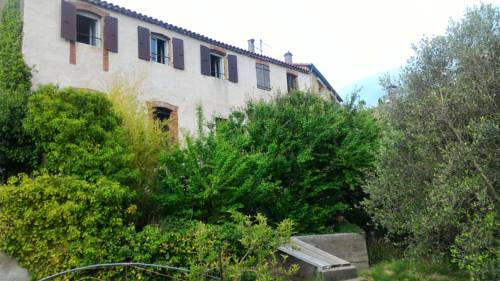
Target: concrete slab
(315, 262)
(348, 246)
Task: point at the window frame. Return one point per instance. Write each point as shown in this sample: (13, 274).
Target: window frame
(265, 72)
(154, 37)
(96, 39)
(221, 59)
(295, 84)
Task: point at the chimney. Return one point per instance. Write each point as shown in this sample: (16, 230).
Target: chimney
(288, 57)
(251, 45)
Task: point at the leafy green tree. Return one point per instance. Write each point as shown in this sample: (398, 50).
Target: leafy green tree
(78, 133)
(297, 157)
(439, 166)
(16, 150)
(317, 152)
(209, 177)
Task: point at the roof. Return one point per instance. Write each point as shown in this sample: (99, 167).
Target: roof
(151, 20)
(312, 68)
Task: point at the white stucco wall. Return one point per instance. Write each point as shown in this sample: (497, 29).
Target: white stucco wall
(48, 54)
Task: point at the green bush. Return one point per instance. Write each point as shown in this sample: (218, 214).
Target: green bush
(16, 150)
(78, 133)
(297, 157)
(54, 223)
(209, 176)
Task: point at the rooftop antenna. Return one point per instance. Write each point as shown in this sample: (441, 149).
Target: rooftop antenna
(261, 46)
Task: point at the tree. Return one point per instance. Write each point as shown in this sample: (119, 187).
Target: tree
(297, 156)
(78, 133)
(439, 165)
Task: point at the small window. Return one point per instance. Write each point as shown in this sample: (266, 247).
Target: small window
(321, 87)
(159, 50)
(291, 81)
(162, 114)
(216, 65)
(87, 29)
(263, 81)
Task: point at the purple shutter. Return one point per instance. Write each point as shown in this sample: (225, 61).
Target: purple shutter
(144, 43)
(178, 52)
(111, 34)
(205, 60)
(232, 63)
(68, 21)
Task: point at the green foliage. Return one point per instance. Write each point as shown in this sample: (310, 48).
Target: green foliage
(297, 157)
(53, 223)
(209, 177)
(477, 249)
(439, 166)
(145, 138)
(16, 150)
(15, 76)
(415, 270)
(78, 133)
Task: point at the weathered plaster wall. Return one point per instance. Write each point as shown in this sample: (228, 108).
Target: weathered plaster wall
(48, 54)
(10, 270)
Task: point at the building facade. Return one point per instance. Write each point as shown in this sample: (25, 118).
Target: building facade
(92, 44)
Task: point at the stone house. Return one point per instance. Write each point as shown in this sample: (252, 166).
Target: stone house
(91, 44)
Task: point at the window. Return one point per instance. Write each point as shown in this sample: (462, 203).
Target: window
(159, 51)
(216, 65)
(163, 114)
(87, 29)
(291, 81)
(321, 87)
(263, 81)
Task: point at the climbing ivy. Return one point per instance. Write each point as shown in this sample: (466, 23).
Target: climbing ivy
(16, 153)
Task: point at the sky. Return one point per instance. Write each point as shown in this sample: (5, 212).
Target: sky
(349, 41)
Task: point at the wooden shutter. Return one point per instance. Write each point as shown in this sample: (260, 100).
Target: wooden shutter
(68, 21)
(178, 53)
(205, 60)
(232, 63)
(144, 43)
(111, 34)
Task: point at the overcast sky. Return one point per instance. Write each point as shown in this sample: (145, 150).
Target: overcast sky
(348, 40)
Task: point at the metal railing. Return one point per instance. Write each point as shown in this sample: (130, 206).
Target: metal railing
(157, 270)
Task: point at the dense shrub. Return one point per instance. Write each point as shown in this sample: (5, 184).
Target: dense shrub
(209, 176)
(439, 167)
(297, 157)
(78, 133)
(54, 223)
(16, 150)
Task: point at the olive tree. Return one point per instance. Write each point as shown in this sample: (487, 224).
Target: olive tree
(438, 170)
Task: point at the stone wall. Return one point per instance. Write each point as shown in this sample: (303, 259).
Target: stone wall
(348, 246)
(10, 269)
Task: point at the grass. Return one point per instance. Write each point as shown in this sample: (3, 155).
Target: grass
(411, 270)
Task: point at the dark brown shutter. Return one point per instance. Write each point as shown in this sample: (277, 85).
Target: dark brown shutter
(178, 53)
(205, 60)
(68, 21)
(111, 34)
(144, 43)
(232, 63)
